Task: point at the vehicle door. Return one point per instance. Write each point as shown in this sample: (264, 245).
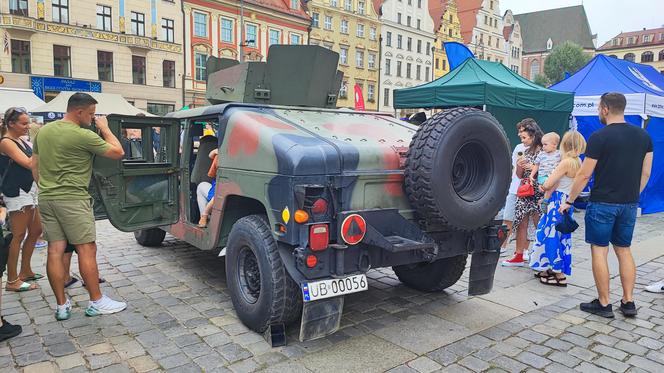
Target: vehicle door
(141, 190)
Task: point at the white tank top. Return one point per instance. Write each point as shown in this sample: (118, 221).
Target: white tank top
(565, 184)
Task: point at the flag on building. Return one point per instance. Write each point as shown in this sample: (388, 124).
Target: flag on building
(359, 98)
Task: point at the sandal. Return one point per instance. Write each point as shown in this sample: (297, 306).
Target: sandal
(35, 277)
(554, 281)
(101, 281)
(544, 274)
(25, 286)
(71, 282)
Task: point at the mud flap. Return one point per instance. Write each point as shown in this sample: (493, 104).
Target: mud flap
(482, 270)
(321, 318)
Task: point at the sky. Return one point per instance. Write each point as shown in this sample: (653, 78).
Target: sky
(607, 17)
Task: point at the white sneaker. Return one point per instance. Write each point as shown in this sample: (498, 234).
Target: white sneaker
(657, 287)
(503, 252)
(526, 255)
(104, 306)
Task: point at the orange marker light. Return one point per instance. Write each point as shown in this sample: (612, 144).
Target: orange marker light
(312, 261)
(301, 216)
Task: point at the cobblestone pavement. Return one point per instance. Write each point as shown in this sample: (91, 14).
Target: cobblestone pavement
(180, 318)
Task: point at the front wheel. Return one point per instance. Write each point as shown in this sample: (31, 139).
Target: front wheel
(262, 291)
(434, 276)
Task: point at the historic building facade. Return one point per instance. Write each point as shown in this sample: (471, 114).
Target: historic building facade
(482, 29)
(350, 28)
(129, 47)
(644, 46)
(513, 42)
(543, 30)
(407, 47)
(448, 29)
(238, 30)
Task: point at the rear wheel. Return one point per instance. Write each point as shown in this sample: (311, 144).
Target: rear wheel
(150, 237)
(261, 289)
(434, 276)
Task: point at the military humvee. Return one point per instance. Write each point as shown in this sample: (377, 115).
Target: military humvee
(309, 198)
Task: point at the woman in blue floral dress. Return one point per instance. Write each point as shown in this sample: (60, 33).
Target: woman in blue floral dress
(552, 253)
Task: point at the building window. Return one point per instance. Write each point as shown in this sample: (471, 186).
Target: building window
(371, 91)
(418, 72)
(105, 66)
(419, 46)
(386, 97)
(295, 4)
(372, 33)
(138, 69)
(437, 63)
(428, 51)
(138, 24)
(408, 21)
(200, 67)
(348, 5)
(275, 37)
(360, 7)
(491, 5)
(252, 36)
(486, 20)
(427, 75)
(399, 69)
(295, 39)
(661, 55)
(344, 26)
(226, 30)
(18, 7)
(200, 25)
(61, 61)
(419, 4)
(399, 18)
(534, 69)
(359, 59)
(399, 42)
(160, 109)
(21, 56)
(419, 23)
(647, 56)
(315, 20)
(168, 72)
(333, 3)
(104, 17)
(168, 30)
(388, 65)
(497, 43)
(449, 32)
(60, 10)
(409, 44)
(371, 61)
(343, 91)
(646, 38)
(444, 64)
(629, 57)
(388, 39)
(360, 30)
(343, 55)
(408, 68)
(328, 22)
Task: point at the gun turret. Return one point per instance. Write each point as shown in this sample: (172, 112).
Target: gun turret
(294, 75)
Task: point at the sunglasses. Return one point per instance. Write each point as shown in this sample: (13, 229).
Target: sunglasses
(13, 113)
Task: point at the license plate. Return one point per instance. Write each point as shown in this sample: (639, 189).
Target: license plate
(331, 288)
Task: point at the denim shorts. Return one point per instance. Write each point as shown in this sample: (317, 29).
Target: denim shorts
(610, 222)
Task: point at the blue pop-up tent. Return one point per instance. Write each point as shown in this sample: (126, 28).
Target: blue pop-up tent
(643, 87)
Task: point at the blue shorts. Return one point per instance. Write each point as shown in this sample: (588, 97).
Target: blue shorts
(610, 222)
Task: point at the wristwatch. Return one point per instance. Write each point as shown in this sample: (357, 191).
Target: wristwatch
(569, 203)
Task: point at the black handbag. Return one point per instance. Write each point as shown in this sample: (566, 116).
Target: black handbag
(567, 223)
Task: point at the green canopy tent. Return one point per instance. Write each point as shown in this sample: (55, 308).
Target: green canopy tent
(508, 96)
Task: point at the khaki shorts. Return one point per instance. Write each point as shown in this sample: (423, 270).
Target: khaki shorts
(68, 220)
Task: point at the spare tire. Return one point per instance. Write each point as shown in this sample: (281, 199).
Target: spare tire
(458, 169)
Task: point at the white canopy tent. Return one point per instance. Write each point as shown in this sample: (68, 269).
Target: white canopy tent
(108, 103)
(10, 97)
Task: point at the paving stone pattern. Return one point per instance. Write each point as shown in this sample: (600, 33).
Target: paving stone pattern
(180, 318)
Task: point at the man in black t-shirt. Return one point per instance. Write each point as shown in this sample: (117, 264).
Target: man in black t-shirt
(620, 155)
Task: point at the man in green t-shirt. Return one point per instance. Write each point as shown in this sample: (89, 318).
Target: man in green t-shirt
(62, 166)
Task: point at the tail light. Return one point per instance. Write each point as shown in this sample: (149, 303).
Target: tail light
(311, 261)
(319, 237)
(319, 207)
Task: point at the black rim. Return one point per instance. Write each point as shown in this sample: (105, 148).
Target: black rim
(249, 275)
(472, 171)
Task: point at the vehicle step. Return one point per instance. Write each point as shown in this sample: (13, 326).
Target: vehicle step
(399, 244)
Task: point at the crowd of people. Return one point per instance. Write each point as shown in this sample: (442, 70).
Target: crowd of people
(546, 183)
(45, 191)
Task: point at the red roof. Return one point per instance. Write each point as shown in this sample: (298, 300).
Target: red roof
(468, 10)
(281, 6)
(656, 38)
(436, 10)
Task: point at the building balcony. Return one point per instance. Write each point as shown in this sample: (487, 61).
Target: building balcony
(33, 25)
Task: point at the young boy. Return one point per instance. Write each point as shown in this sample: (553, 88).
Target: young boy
(548, 158)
